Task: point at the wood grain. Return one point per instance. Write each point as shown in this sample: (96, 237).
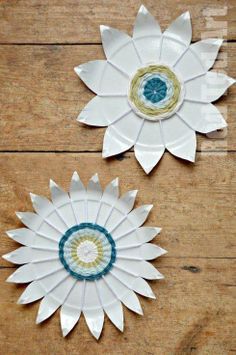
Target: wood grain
(194, 204)
(192, 315)
(41, 96)
(70, 21)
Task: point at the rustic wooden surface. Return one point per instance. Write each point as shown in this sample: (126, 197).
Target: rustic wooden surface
(40, 96)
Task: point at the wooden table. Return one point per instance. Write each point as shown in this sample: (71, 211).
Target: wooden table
(40, 43)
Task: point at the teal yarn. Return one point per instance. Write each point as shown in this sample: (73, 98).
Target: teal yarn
(155, 90)
(88, 276)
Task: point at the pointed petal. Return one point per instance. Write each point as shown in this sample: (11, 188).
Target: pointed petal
(41, 205)
(77, 189)
(47, 307)
(150, 251)
(149, 147)
(103, 110)
(208, 87)
(94, 319)
(121, 135)
(139, 215)
(21, 255)
(94, 188)
(91, 73)
(69, 316)
(181, 29)
(97, 76)
(119, 49)
(146, 234)
(149, 272)
(147, 36)
(131, 301)
(22, 235)
(111, 192)
(145, 24)
(126, 202)
(30, 219)
(180, 139)
(23, 274)
(71, 309)
(33, 292)
(202, 117)
(207, 51)
(114, 312)
(59, 196)
(142, 287)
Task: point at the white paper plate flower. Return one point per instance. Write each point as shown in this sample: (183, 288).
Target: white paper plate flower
(154, 90)
(85, 252)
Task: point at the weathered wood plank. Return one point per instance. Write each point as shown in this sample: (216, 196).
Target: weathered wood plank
(41, 97)
(70, 21)
(194, 204)
(192, 314)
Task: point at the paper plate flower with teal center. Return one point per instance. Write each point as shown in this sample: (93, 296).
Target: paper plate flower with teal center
(154, 90)
(85, 253)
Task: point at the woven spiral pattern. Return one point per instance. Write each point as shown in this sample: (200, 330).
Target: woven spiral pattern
(154, 91)
(87, 251)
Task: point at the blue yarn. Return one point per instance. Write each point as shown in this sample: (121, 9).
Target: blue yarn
(74, 229)
(155, 90)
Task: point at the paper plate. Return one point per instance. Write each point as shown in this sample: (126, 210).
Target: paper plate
(85, 252)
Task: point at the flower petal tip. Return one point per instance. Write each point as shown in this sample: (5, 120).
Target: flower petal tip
(78, 70)
(186, 15)
(104, 28)
(143, 9)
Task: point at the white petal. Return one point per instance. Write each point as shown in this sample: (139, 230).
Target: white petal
(208, 87)
(23, 274)
(121, 135)
(142, 287)
(207, 51)
(131, 301)
(53, 300)
(119, 49)
(115, 313)
(46, 268)
(103, 110)
(180, 139)
(124, 294)
(69, 316)
(126, 202)
(149, 147)
(33, 292)
(47, 307)
(149, 272)
(181, 29)
(111, 192)
(30, 219)
(189, 65)
(59, 196)
(94, 188)
(202, 117)
(139, 215)
(25, 255)
(176, 39)
(150, 251)
(146, 234)
(71, 309)
(111, 304)
(22, 235)
(147, 36)
(94, 319)
(77, 189)
(92, 310)
(41, 205)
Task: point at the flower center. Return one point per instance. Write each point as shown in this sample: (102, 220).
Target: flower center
(155, 92)
(87, 251)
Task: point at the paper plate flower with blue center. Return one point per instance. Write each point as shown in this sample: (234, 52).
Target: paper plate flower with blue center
(85, 252)
(154, 90)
